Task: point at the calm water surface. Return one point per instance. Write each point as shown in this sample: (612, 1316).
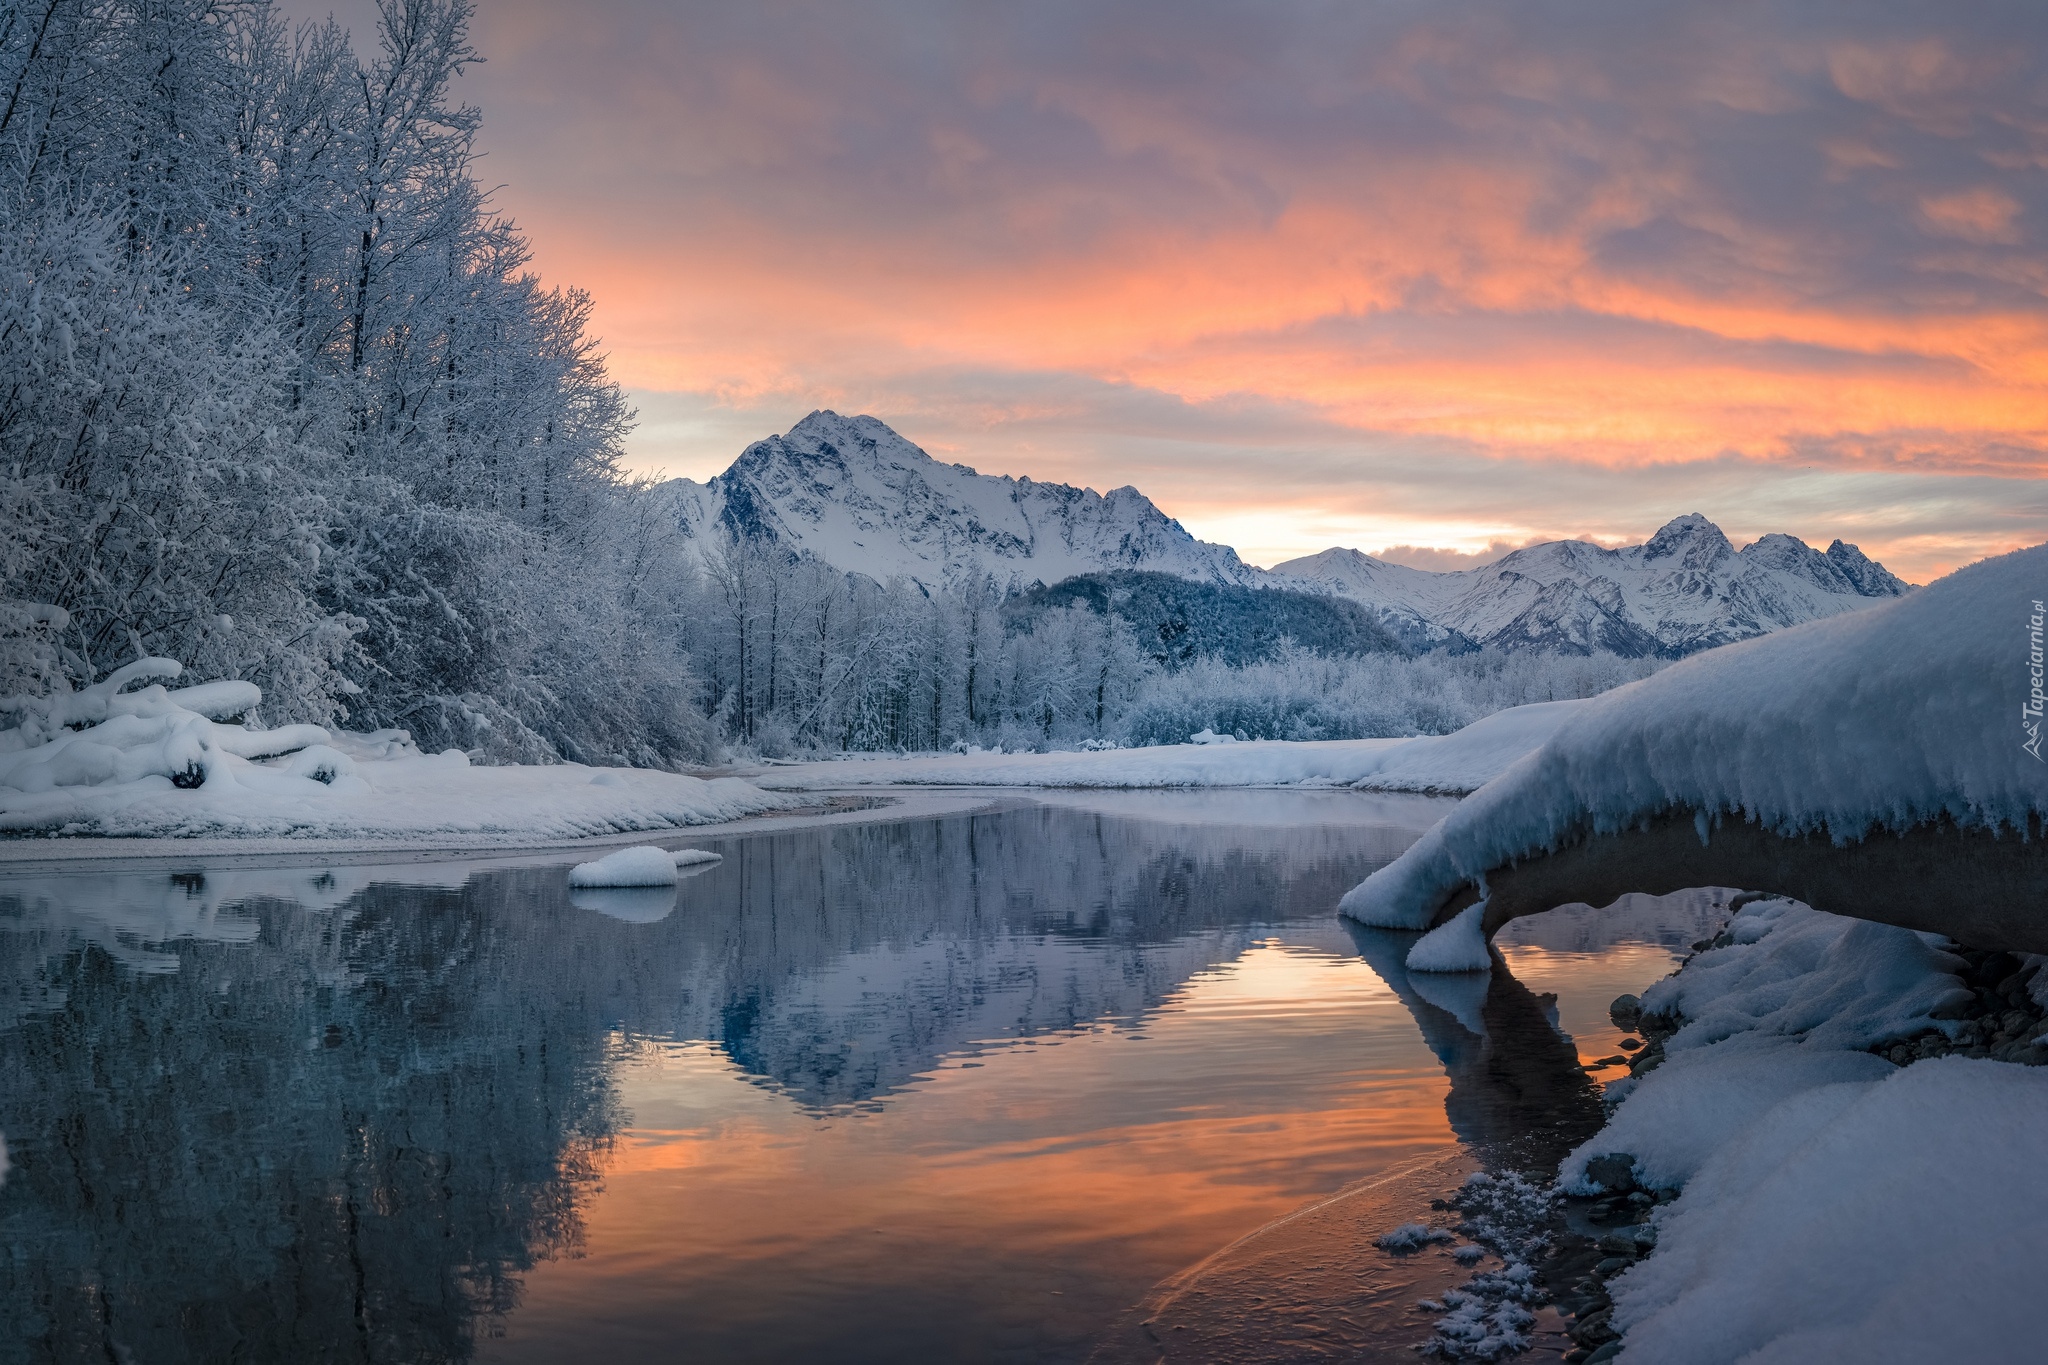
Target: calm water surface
(954, 1089)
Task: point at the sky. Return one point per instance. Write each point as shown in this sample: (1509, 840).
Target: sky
(1447, 276)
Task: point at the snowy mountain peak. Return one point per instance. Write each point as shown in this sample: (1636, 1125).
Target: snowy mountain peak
(1870, 578)
(853, 493)
(1696, 542)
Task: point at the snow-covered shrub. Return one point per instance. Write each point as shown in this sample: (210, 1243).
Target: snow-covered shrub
(153, 737)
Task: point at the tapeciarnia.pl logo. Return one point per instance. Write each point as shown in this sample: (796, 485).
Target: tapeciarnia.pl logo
(2030, 714)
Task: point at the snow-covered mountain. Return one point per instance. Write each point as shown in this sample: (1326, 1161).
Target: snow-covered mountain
(855, 494)
(1686, 589)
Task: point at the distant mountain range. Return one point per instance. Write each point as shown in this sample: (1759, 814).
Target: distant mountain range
(854, 494)
(1685, 589)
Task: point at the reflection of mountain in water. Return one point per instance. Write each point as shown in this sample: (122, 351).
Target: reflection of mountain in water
(297, 1116)
(840, 968)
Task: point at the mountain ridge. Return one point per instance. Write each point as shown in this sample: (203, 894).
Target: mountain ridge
(854, 494)
(1685, 589)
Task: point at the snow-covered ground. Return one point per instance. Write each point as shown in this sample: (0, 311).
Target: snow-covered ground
(417, 797)
(1910, 711)
(153, 762)
(1836, 1208)
(1454, 763)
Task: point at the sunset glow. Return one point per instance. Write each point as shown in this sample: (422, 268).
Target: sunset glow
(1401, 274)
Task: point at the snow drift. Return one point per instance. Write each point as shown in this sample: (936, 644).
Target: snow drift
(106, 761)
(1909, 714)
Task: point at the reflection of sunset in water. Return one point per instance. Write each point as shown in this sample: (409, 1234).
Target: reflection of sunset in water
(1124, 1150)
(901, 1090)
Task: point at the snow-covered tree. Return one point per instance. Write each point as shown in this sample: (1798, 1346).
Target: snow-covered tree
(281, 398)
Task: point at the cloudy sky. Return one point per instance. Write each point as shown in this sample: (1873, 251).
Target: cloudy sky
(1310, 273)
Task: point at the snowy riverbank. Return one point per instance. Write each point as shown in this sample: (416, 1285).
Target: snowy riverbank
(105, 761)
(113, 764)
(1828, 1153)
(1447, 764)
(412, 798)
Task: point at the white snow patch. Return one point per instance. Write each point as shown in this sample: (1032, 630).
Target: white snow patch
(1895, 1220)
(1456, 946)
(158, 763)
(644, 865)
(1833, 981)
(1884, 718)
(1679, 1115)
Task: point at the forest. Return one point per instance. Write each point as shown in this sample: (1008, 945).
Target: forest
(284, 399)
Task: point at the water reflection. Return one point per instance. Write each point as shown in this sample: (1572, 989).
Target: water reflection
(925, 1089)
(1517, 1094)
(274, 1119)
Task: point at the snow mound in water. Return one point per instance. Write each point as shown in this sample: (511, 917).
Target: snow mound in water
(642, 866)
(1910, 711)
(1458, 946)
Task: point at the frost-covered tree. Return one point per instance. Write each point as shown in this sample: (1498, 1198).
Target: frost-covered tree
(280, 396)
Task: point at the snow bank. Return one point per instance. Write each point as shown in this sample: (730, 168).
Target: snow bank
(1895, 1220)
(1906, 712)
(1793, 1002)
(167, 763)
(1454, 763)
(1835, 1207)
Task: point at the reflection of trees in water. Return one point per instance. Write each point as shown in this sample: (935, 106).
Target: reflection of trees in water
(341, 1138)
(310, 1119)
